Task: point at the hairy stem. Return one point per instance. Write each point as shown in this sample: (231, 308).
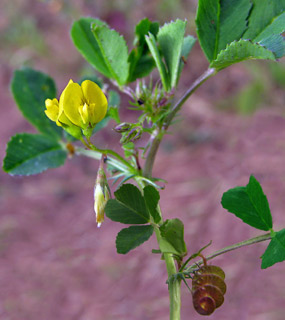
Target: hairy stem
(232, 247)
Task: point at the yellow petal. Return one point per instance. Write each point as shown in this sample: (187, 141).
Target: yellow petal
(52, 109)
(70, 102)
(96, 100)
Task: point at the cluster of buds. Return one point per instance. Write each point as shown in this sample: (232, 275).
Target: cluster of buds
(101, 193)
(130, 132)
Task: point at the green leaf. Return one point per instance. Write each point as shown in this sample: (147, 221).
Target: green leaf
(114, 104)
(30, 89)
(263, 14)
(151, 197)
(170, 38)
(132, 237)
(129, 206)
(249, 204)
(151, 42)
(28, 154)
(274, 43)
(113, 48)
(87, 45)
(240, 51)
(141, 63)
(172, 238)
(275, 251)
(275, 27)
(142, 29)
(270, 35)
(220, 22)
(188, 44)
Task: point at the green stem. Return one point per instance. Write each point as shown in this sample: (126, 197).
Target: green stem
(109, 151)
(97, 155)
(232, 247)
(174, 288)
(154, 145)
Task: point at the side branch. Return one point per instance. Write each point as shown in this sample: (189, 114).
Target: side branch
(235, 246)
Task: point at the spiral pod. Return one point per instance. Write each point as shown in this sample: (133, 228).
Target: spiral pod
(208, 289)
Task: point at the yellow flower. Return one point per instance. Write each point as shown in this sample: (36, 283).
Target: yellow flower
(101, 195)
(80, 106)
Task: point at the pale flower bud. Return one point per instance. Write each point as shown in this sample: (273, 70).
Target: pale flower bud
(101, 195)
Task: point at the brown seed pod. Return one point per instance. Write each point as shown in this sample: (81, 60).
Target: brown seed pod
(208, 289)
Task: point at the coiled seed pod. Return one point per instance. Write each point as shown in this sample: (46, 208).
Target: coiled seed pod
(208, 289)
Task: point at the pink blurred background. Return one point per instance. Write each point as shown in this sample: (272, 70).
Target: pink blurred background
(55, 263)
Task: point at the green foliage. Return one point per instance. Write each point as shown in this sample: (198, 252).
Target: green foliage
(170, 46)
(114, 50)
(151, 42)
(151, 197)
(30, 89)
(222, 24)
(129, 206)
(249, 204)
(170, 39)
(87, 45)
(275, 251)
(113, 105)
(140, 60)
(240, 51)
(172, 238)
(219, 22)
(132, 237)
(188, 43)
(262, 16)
(28, 154)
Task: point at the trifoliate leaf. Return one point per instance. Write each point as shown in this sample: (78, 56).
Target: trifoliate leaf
(129, 206)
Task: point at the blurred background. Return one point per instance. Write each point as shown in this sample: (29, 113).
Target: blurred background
(54, 262)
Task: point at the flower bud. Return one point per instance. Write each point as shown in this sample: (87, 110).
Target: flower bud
(122, 127)
(132, 135)
(101, 195)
